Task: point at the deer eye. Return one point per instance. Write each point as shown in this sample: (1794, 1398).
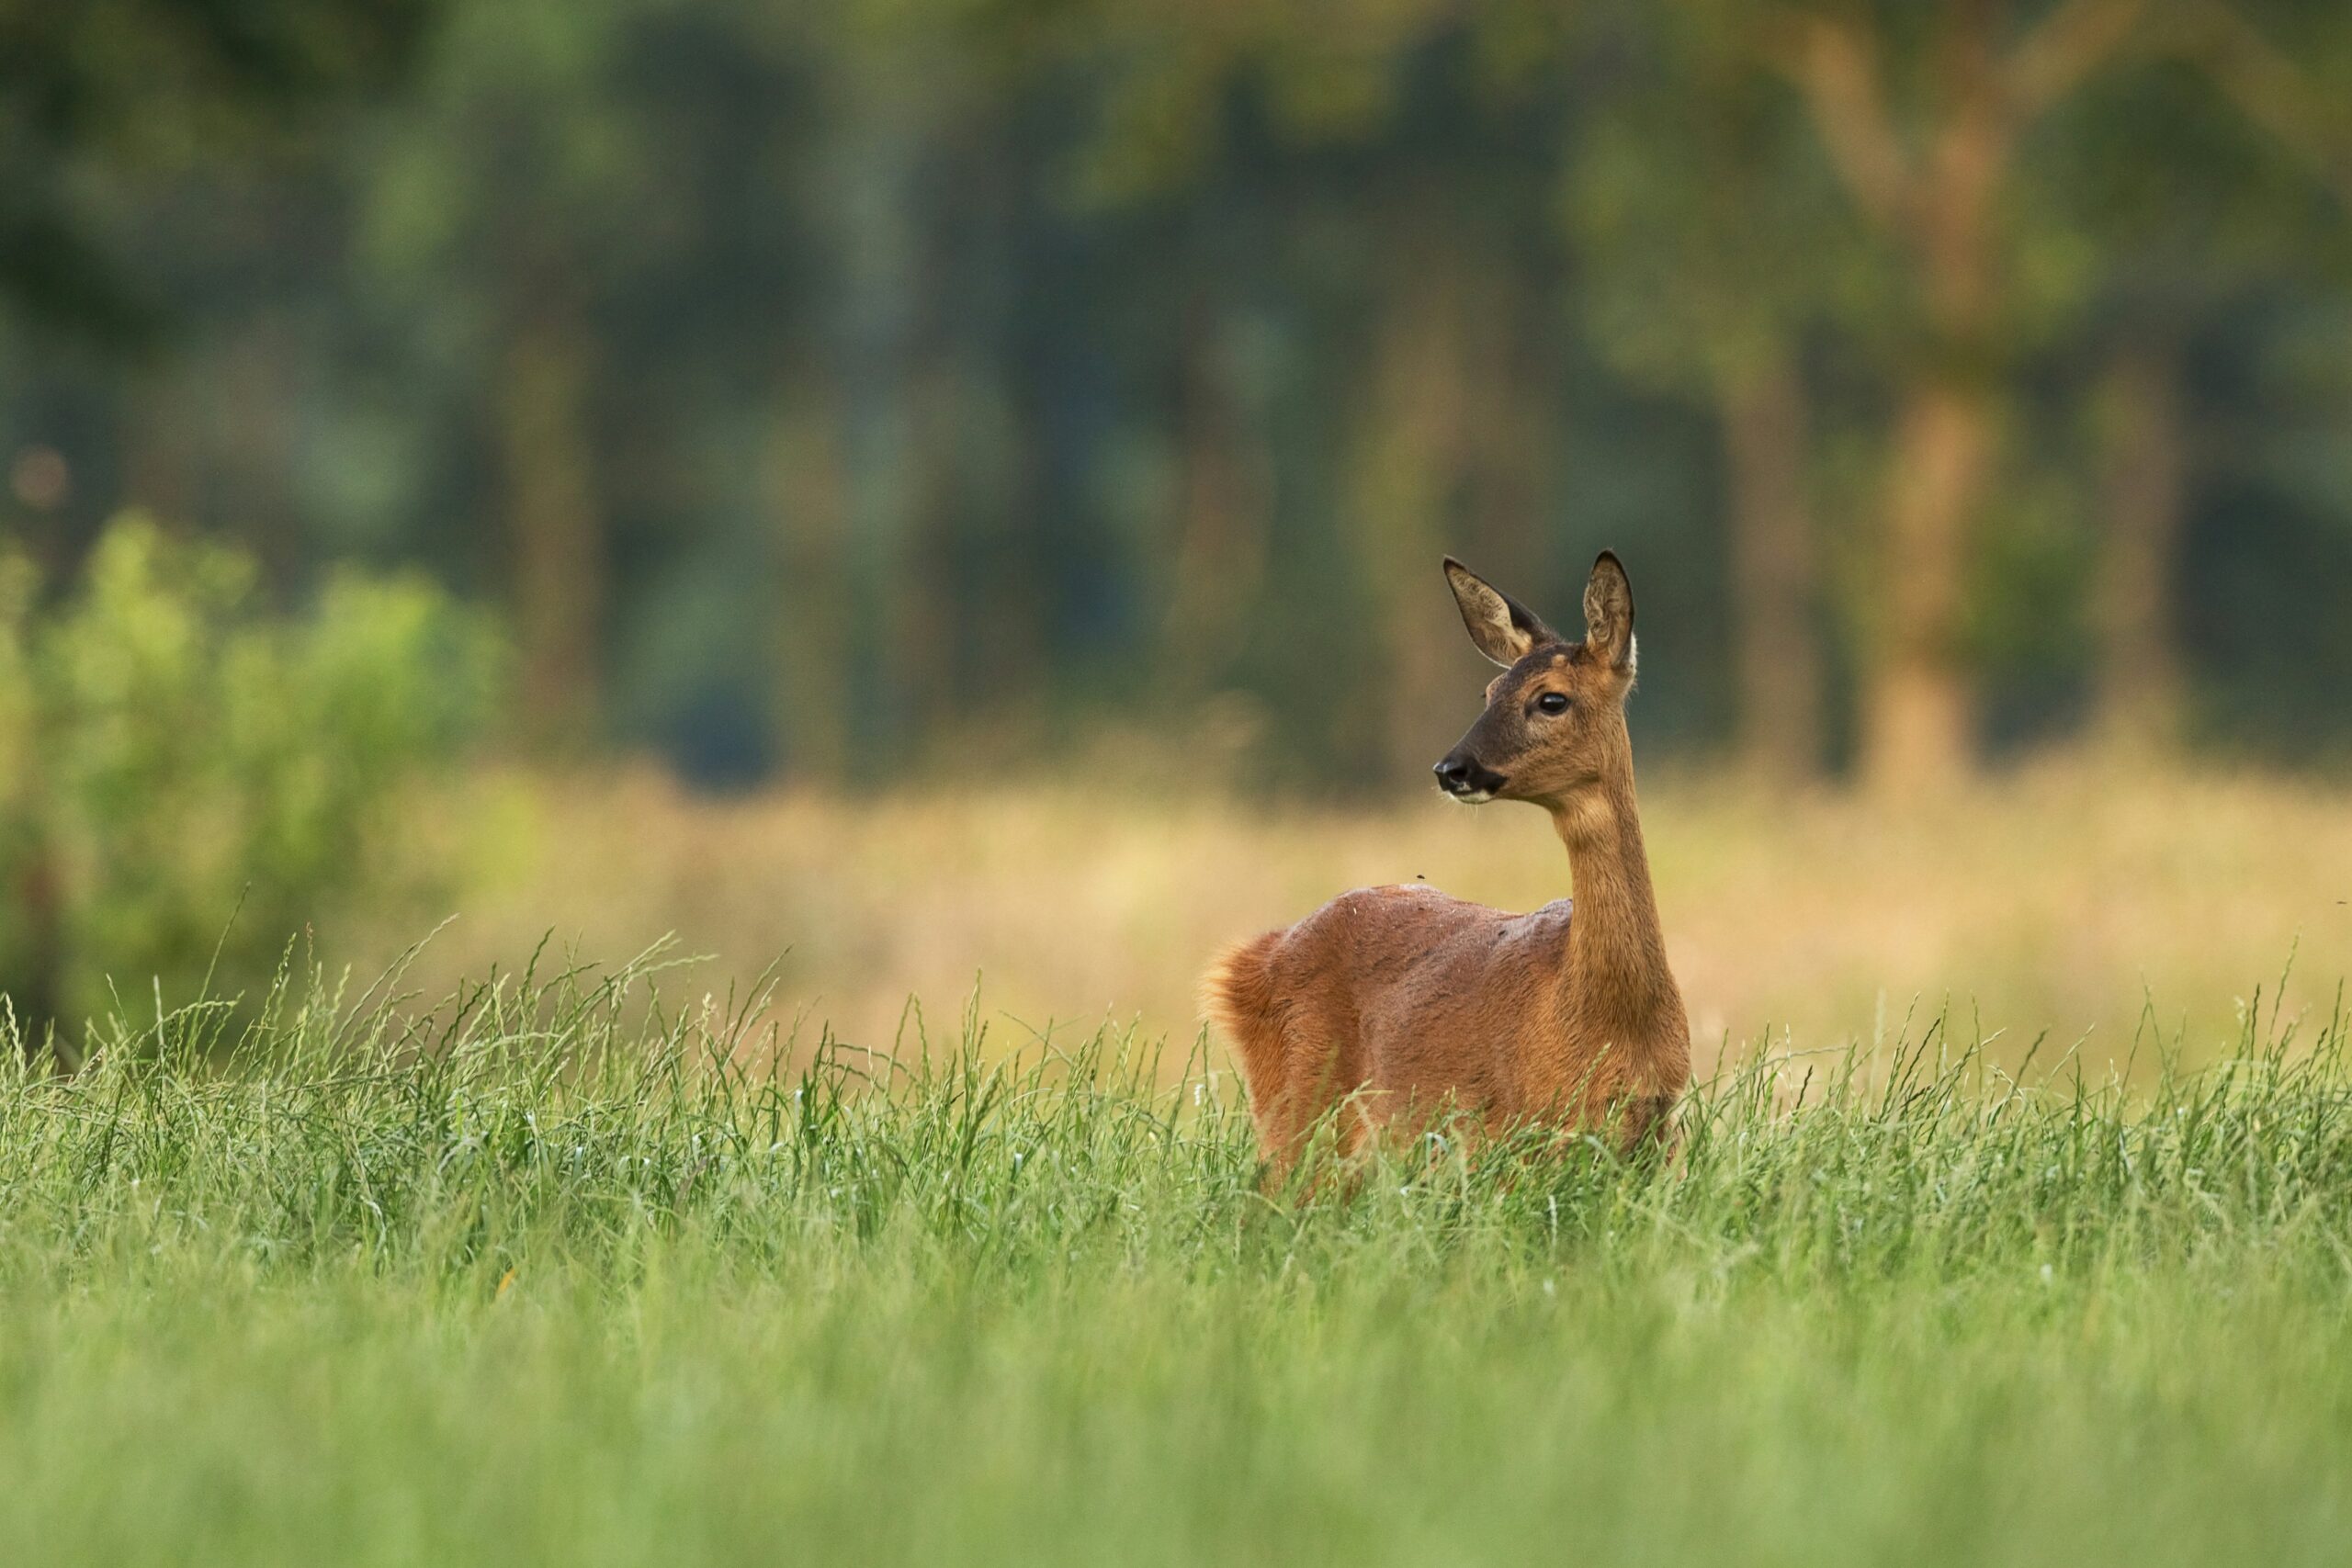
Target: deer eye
(1553, 701)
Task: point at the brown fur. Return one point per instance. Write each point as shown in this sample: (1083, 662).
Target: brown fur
(1402, 1002)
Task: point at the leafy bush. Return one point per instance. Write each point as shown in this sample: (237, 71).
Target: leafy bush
(187, 781)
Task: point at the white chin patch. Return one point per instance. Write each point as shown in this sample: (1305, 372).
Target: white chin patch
(1476, 797)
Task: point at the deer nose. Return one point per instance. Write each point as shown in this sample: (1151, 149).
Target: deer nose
(1463, 776)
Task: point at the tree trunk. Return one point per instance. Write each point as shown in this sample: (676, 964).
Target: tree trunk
(1919, 709)
(160, 467)
(1513, 419)
(2141, 487)
(546, 447)
(1224, 493)
(1406, 470)
(877, 353)
(808, 494)
(1935, 197)
(930, 648)
(1776, 641)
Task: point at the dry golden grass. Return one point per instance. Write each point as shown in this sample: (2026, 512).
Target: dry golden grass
(2062, 899)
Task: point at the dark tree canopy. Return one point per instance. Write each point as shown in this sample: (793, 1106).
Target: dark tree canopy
(97, 92)
(913, 380)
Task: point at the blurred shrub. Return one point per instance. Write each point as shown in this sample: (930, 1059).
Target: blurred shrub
(189, 782)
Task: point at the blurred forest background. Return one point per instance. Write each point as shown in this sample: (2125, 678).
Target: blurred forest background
(962, 397)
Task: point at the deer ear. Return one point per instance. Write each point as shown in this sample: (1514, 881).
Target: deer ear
(1505, 630)
(1609, 613)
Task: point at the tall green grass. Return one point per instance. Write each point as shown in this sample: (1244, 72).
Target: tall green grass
(557, 1272)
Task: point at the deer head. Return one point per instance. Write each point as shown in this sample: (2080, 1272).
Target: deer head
(1555, 723)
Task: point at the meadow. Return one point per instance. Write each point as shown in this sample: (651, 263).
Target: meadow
(2071, 899)
(920, 522)
(554, 1269)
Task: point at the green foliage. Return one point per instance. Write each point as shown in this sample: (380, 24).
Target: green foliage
(1718, 232)
(195, 779)
(571, 1287)
(98, 95)
(822, 386)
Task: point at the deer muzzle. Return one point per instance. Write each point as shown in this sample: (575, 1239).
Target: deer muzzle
(1466, 779)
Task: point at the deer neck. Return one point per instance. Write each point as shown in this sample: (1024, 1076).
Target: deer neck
(1618, 982)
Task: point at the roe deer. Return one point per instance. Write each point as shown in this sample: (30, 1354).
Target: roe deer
(1398, 1001)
